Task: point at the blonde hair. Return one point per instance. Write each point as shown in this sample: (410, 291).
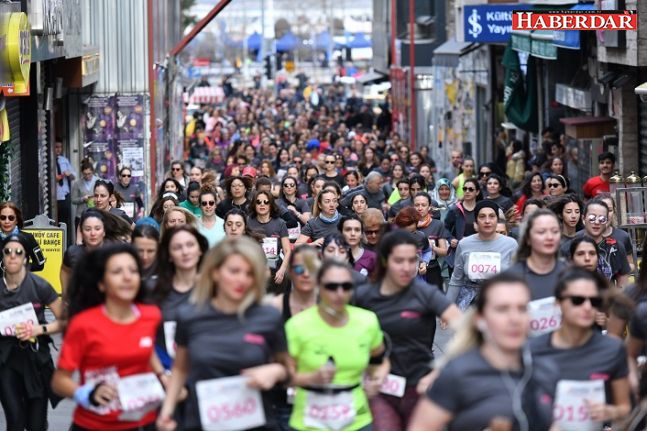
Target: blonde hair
(466, 337)
(206, 288)
(190, 218)
(316, 207)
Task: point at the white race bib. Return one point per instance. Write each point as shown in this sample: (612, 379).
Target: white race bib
(394, 385)
(109, 376)
(138, 395)
(129, 209)
(169, 337)
(482, 265)
(271, 247)
(294, 232)
(545, 316)
(329, 411)
(21, 314)
(570, 412)
(227, 404)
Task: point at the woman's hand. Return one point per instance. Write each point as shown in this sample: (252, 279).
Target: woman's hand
(453, 243)
(426, 381)
(104, 394)
(26, 331)
(165, 423)
(422, 268)
(280, 274)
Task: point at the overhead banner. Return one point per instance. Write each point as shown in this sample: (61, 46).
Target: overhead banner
(15, 54)
(489, 23)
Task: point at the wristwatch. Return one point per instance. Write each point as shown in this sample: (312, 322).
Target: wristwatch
(44, 329)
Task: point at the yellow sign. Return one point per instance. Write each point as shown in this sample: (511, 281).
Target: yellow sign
(16, 33)
(51, 241)
(290, 66)
(4, 126)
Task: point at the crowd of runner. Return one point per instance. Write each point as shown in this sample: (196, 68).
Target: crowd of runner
(293, 271)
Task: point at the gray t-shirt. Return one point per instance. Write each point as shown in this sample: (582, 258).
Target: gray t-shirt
(601, 357)
(275, 228)
(475, 392)
(464, 266)
(317, 228)
(541, 285)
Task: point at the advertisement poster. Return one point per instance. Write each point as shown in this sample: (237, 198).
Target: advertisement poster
(130, 117)
(99, 135)
(131, 154)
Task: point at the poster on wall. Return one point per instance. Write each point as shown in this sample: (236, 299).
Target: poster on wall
(130, 117)
(131, 154)
(99, 127)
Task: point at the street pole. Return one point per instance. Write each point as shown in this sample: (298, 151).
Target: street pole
(412, 73)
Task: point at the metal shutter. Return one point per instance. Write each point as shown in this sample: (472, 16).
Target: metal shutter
(13, 114)
(642, 137)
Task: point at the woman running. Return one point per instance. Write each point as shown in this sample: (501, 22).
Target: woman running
(434, 230)
(210, 225)
(325, 221)
(145, 239)
(352, 228)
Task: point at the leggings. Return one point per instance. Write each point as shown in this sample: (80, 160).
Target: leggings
(392, 413)
(21, 413)
(149, 427)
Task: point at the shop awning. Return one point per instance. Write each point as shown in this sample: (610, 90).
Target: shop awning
(371, 77)
(205, 95)
(570, 39)
(538, 43)
(641, 89)
(447, 54)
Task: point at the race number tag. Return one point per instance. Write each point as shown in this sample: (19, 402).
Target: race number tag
(129, 209)
(108, 376)
(169, 337)
(571, 412)
(138, 395)
(227, 404)
(394, 385)
(329, 411)
(483, 265)
(11, 317)
(271, 246)
(545, 316)
(294, 232)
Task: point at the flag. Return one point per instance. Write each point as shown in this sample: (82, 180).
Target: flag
(519, 97)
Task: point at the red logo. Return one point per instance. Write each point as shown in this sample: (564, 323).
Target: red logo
(575, 20)
(406, 314)
(599, 376)
(254, 339)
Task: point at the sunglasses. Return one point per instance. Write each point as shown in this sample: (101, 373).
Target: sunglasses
(330, 162)
(485, 174)
(297, 161)
(126, 176)
(16, 251)
(8, 217)
(553, 185)
(299, 269)
(176, 169)
(262, 202)
(577, 300)
(289, 185)
(469, 189)
(333, 287)
(371, 232)
(208, 203)
(597, 219)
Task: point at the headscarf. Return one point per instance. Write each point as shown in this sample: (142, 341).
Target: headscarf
(452, 193)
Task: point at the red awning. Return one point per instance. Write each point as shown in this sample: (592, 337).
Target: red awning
(205, 95)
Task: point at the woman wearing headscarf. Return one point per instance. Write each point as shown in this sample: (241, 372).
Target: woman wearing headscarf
(445, 195)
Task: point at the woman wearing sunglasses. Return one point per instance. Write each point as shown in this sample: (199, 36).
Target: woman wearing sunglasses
(264, 217)
(209, 224)
(407, 310)
(460, 218)
(591, 365)
(298, 210)
(329, 374)
(467, 171)
(26, 365)
(11, 222)
(557, 185)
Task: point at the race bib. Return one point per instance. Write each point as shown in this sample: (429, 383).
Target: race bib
(545, 316)
(110, 377)
(394, 385)
(294, 232)
(271, 247)
(169, 337)
(138, 395)
(129, 209)
(227, 404)
(329, 411)
(11, 317)
(482, 265)
(570, 412)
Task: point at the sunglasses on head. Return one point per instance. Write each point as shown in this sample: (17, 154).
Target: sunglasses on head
(17, 251)
(208, 203)
(577, 300)
(333, 287)
(469, 189)
(8, 217)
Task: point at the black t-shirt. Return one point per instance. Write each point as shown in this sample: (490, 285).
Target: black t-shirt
(541, 285)
(317, 228)
(170, 308)
(73, 254)
(469, 223)
(227, 205)
(409, 318)
(275, 228)
(221, 345)
(339, 179)
(435, 231)
(475, 392)
(612, 257)
(504, 202)
(638, 323)
(601, 357)
(623, 238)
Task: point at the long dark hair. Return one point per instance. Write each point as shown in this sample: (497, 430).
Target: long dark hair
(166, 271)
(526, 189)
(83, 291)
(387, 243)
(274, 210)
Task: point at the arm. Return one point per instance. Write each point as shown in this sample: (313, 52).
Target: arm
(428, 416)
(634, 348)
(303, 239)
(175, 385)
(621, 406)
(451, 315)
(280, 274)
(442, 248)
(66, 273)
(77, 197)
(456, 281)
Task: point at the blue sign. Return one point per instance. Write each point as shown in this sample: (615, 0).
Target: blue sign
(489, 23)
(570, 38)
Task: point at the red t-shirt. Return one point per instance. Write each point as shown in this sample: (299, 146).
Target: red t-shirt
(595, 185)
(102, 349)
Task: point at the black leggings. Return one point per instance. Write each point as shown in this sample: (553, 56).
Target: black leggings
(21, 413)
(149, 427)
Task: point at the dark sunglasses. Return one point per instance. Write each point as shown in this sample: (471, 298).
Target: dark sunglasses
(577, 300)
(126, 176)
(176, 169)
(262, 202)
(299, 269)
(371, 232)
(330, 162)
(333, 287)
(289, 185)
(209, 203)
(469, 189)
(485, 174)
(8, 217)
(554, 185)
(17, 251)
